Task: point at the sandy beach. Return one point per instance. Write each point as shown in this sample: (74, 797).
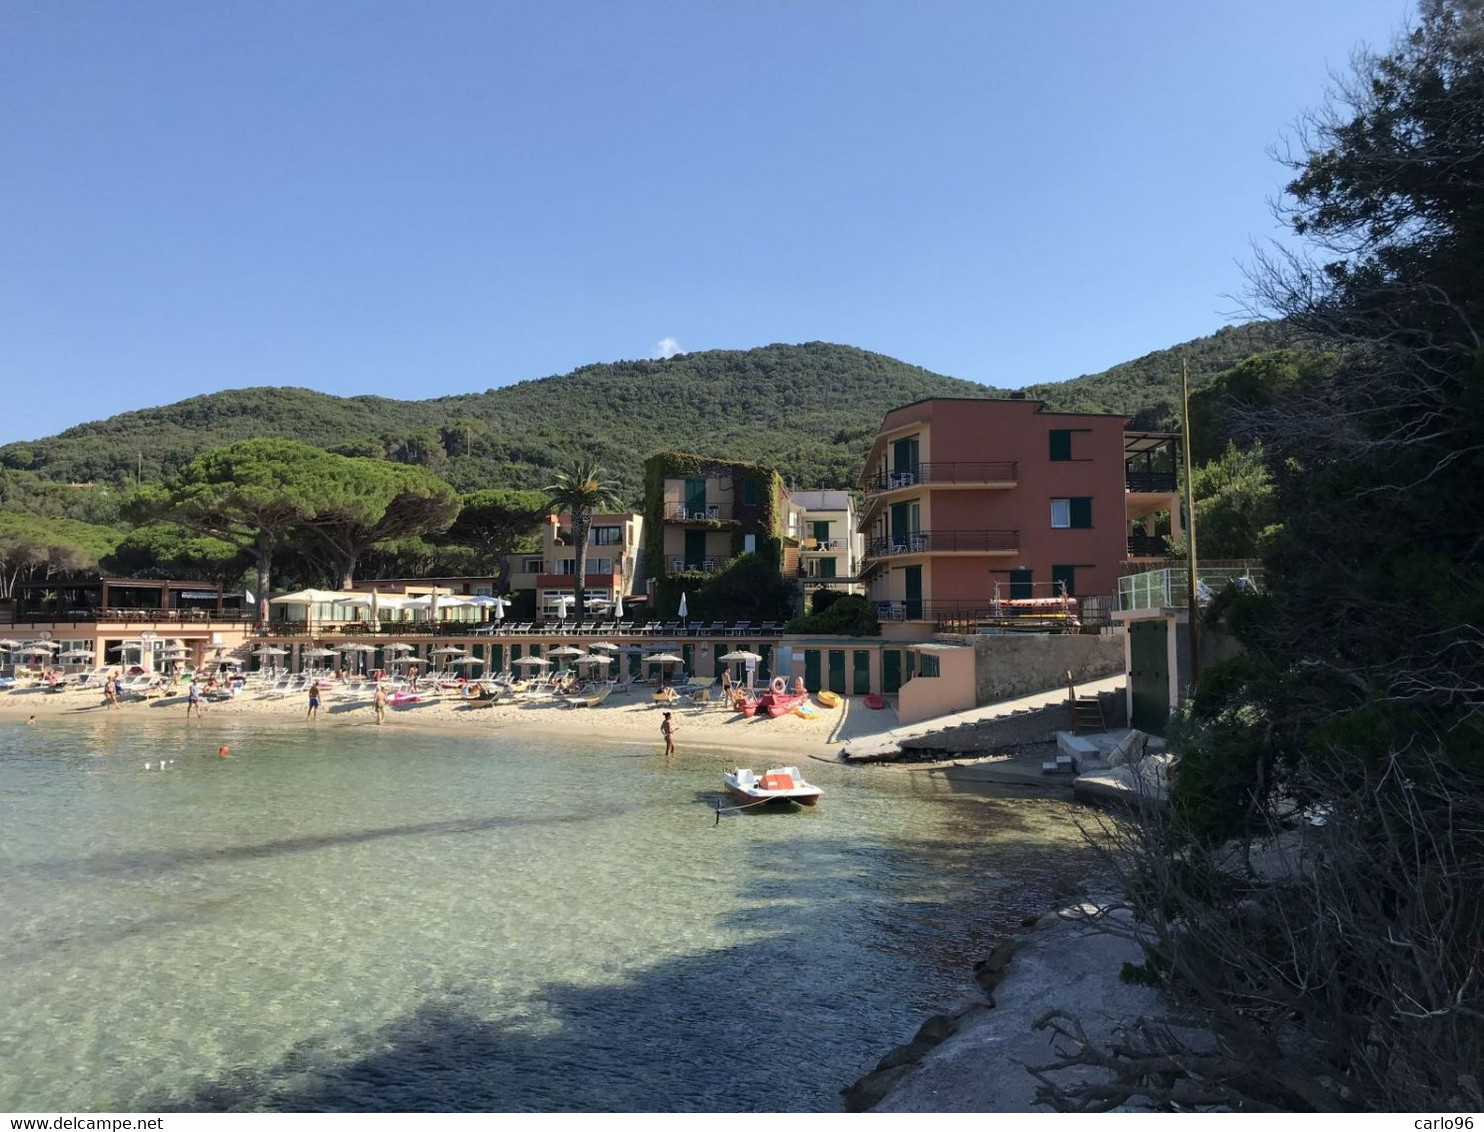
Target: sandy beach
(625, 718)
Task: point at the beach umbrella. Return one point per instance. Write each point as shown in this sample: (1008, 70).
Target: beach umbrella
(448, 650)
(564, 650)
(594, 658)
(500, 603)
(305, 597)
(741, 655)
(467, 661)
(606, 646)
(37, 646)
(531, 661)
(399, 646)
(7, 643)
(618, 607)
(684, 606)
(356, 647)
(664, 658)
(319, 652)
(270, 650)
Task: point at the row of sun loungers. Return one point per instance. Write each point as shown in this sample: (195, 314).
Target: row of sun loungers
(628, 629)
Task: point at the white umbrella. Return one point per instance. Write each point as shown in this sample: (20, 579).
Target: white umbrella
(76, 654)
(618, 607)
(664, 658)
(467, 661)
(7, 643)
(564, 650)
(741, 654)
(529, 661)
(270, 650)
(684, 606)
(500, 603)
(399, 646)
(606, 646)
(356, 648)
(305, 597)
(320, 652)
(36, 646)
(594, 658)
(448, 650)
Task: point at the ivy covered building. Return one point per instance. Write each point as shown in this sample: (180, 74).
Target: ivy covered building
(702, 512)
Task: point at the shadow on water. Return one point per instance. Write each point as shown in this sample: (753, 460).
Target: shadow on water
(159, 861)
(779, 1022)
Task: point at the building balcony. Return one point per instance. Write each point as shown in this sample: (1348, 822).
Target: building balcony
(679, 564)
(114, 616)
(568, 581)
(1155, 483)
(1148, 546)
(946, 542)
(824, 546)
(987, 615)
(1170, 588)
(676, 511)
(951, 473)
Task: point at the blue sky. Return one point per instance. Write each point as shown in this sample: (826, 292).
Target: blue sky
(414, 199)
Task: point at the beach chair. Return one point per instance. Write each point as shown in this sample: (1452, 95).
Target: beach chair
(606, 627)
(740, 628)
(769, 628)
(716, 630)
(588, 627)
(485, 630)
(624, 627)
(671, 629)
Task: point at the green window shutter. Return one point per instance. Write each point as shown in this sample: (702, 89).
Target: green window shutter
(1061, 444)
(1066, 575)
(749, 493)
(826, 568)
(1081, 511)
(822, 531)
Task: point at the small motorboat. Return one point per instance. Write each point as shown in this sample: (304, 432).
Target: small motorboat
(782, 784)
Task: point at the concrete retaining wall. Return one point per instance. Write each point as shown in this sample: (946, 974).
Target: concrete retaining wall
(1018, 666)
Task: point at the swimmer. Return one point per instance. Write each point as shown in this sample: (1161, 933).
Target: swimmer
(30, 721)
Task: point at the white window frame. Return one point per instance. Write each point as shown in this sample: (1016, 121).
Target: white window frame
(1064, 506)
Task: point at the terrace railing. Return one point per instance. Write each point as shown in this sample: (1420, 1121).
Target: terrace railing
(1149, 481)
(1148, 546)
(927, 542)
(946, 472)
(1170, 588)
(678, 564)
(678, 512)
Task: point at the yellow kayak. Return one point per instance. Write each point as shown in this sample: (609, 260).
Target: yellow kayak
(828, 699)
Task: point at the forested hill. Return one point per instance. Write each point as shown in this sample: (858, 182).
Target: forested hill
(810, 409)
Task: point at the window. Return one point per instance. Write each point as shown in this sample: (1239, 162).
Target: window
(531, 566)
(927, 665)
(1064, 576)
(607, 536)
(822, 531)
(1022, 584)
(749, 544)
(749, 493)
(1061, 444)
(1073, 512)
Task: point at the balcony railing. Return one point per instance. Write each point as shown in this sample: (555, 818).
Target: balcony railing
(1149, 481)
(1148, 546)
(945, 472)
(677, 512)
(928, 542)
(1170, 588)
(825, 545)
(974, 616)
(678, 564)
(142, 616)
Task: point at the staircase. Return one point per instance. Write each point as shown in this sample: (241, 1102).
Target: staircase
(1086, 711)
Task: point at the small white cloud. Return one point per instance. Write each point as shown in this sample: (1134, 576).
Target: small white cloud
(666, 347)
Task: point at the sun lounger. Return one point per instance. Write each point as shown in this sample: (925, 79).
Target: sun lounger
(740, 628)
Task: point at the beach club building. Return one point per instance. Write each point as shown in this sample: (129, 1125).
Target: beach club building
(973, 502)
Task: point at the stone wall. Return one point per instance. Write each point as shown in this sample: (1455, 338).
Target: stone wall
(1011, 666)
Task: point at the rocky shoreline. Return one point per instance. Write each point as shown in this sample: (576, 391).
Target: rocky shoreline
(974, 1056)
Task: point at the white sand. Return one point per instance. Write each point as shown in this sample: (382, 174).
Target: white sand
(629, 718)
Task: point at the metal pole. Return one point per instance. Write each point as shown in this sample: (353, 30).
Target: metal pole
(1192, 604)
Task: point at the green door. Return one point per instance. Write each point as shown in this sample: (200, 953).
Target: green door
(1021, 585)
(837, 671)
(899, 521)
(695, 496)
(822, 530)
(497, 658)
(912, 576)
(811, 670)
(904, 457)
(891, 671)
(695, 548)
(1149, 674)
(911, 664)
(688, 652)
(861, 671)
(825, 568)
(764, 666)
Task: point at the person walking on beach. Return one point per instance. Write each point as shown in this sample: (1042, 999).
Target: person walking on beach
(111, 691)
(378, 701)
(193, 699)
(313, 702)
(667, 729)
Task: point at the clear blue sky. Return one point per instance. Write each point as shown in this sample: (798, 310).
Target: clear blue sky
(423, 198)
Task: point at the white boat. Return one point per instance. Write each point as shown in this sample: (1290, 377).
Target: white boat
(777, 784)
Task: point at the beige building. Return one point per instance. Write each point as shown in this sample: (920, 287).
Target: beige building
(829, 545)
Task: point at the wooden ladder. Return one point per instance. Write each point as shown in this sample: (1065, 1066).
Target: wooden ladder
(1086, 711)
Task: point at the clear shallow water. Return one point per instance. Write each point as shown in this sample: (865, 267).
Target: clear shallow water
(377, 921)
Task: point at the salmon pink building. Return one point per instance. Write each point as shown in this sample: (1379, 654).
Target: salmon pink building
(971, 502)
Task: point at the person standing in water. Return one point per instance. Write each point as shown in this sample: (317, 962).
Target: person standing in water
(667, 729)
(313, 702)
(111, 691)
(193, 699)
(378, 701)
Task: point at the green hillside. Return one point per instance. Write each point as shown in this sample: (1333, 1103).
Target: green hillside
(809, 409)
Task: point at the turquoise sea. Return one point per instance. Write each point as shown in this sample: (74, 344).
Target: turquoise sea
(395, 920)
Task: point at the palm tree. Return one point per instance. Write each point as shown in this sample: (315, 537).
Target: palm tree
(580, 490)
